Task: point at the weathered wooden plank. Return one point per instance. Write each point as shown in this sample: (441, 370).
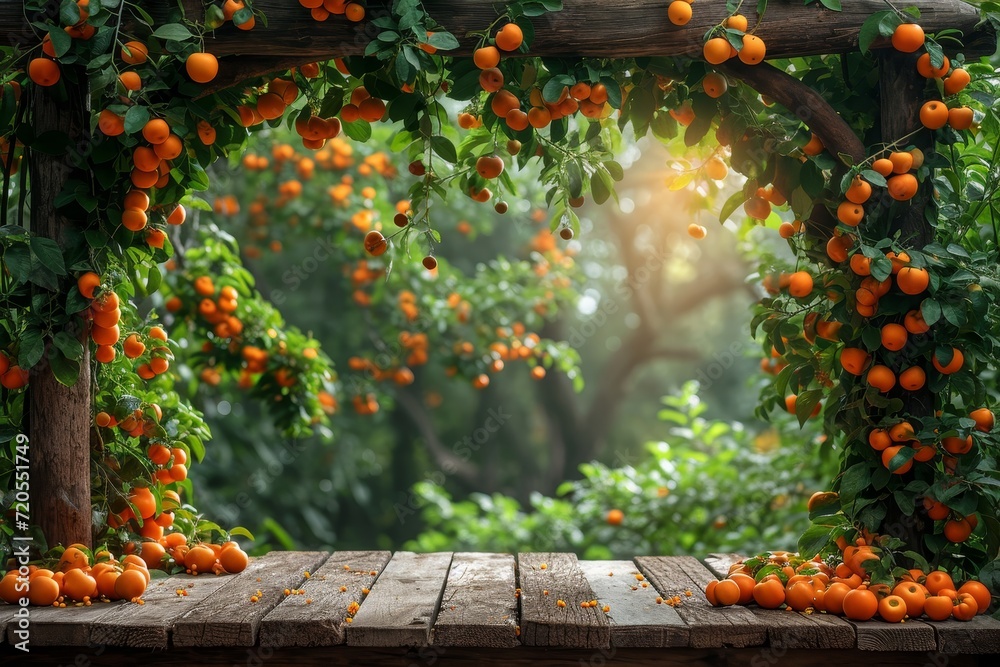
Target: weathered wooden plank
(317, 618)
(978, 636)
(6, 616)
(709, 627)
(637, 620)
(602, 28)
(718, 563)
(229, 618)
(545, 580)
(149, 625)
(523, 656)
(403, 603)
(69, 626)
(479, 605)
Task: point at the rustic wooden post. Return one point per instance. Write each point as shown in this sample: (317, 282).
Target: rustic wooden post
(59, 416)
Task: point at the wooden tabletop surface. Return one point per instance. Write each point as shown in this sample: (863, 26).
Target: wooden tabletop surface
(435, 602)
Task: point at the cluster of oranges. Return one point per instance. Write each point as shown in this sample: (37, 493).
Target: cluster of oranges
(322, 9)
(217, 307)
(236, 11)
(718, 50)
(847, 589)
(271, 103)
(362, 106)
(74, 580)
(12, 376)
(44, 70)
(910, 38)
(513, 343)
(899, 448)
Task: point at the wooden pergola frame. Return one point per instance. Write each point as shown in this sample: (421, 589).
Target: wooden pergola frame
(60, 416)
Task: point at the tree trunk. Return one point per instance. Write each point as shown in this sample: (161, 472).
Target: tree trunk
(901, 92)
(59, 416)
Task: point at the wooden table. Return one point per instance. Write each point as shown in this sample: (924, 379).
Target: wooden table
(374, 607)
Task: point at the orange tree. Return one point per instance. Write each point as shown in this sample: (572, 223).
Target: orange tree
(894, 191)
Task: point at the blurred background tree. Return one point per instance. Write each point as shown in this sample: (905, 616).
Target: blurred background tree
(640, 306)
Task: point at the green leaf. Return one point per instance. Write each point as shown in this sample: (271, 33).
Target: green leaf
(832, 4)
(66, 371)
(445, 41)
(599, 186)
(61, 41)
(734, 202)
(553, 88)
(135, 118)
(444, 148)
(359, 130)
(173, 31)
(854, 480)
(17, 259)
(32, 347)
(68, 345)
(48, 253)
(870, 30)
(813, 540)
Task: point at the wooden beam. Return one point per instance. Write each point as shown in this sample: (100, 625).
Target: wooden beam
(59, 416)
(597, 28)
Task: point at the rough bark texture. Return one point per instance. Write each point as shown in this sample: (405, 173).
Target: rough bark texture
(59, 416)
(598, 28)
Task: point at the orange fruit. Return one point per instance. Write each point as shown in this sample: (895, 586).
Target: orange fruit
(912, 280)
(800, 595)
(902, 187)
(902, 161)
(957, 82)
(715, 84)
(908, 37)
(892, 608)
(614, 517)
(727, 591)
(960, 118)
(860, 604)
(134, 53)
(889, 453)
(854, 360)
(881, 377)
(859, 192)
(156, 131)
(957, 530)
(717, 50)
(201, 67)
(375, 243)
(233, 559)
(697, 231)
(769, 593)
(800, 284)
(894, 337)
(814, 146)
(882, 166)
(679, 12)
(200, 558)
(934, 114)
(914, 322)
(78, 585)
(489, 166)
(953, 366)
(130, 584)
(978, 591)
(44, 72)
(850, 214)
(928, 71)
(486, 57)
(87, 283)
(754, 50)
(984, 419)
(737, 22)
(912, 378)
(510, 37)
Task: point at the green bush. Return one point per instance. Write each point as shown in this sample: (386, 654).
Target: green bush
(710, 486)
